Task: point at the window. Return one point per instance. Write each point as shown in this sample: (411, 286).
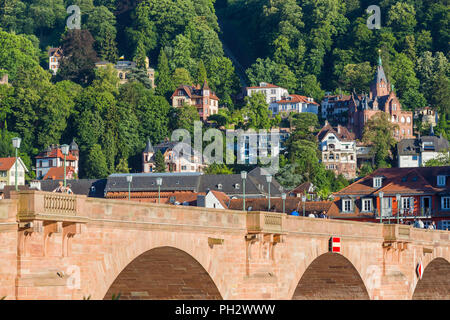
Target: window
(337, 156)
(2, 173)
(347, 205)
(272, 99)
(408, 120)
(219, 186)
(403, 131)
(402, 120)
(50, 163)
(272, 91)
(367, 205)
(183, 168)
(414, 158)
(441, 181)
(377, 182)
(445, 203)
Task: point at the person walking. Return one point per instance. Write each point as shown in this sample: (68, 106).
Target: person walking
(421, 225)
(432, 226)
(60, 188)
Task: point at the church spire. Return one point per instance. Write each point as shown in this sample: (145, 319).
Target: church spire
(379, 58)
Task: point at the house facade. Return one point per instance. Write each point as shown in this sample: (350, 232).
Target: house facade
(174, 158)
(426, 115)
(335, 107)
(272, 92)
(338, 148)
(124, 67)
(52, 157)
(416, 152)
(201, 97)
(54, 56)
(8, 171)
(397, 194)
(293, 103)
(381, 98)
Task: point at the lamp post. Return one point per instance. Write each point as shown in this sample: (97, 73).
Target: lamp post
(129, 179)
(283, 196)
(244, 177)
(381, 194)
(16, 144)
(269, 180)
(303, 202)
(159, 183)
(399, 203)
(65, 152)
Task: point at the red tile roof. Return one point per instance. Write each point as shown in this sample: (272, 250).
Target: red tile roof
(295, 98)
(56, 153)
(222, 197)
(410, 181)
(195, 92)
(268, 85)
(7, 163)
(57, 173)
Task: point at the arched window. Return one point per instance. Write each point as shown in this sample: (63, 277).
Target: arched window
(408, 120)
(402, 120)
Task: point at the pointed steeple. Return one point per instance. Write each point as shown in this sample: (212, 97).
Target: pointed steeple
(205, 85)
(148, 147)
(380, 84)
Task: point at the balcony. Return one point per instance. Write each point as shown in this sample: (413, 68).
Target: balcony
(39, 205)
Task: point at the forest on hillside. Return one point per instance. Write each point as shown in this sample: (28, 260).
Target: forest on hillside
(307, 46)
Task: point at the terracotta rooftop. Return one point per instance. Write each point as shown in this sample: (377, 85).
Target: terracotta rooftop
(340, 132)
(400, 180)
(7, 163)
(57, 173)
(295, 98)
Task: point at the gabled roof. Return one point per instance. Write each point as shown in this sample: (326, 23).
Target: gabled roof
(414, 146)
(195, 91)
(400, 180)
(54, 52)
(55, 153)
(7, 163)
(295, 98)
(222, 198)
(340, 132)
(303, 188)
(148, 147)
(57, 173)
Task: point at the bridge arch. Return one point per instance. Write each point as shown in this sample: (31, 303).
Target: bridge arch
(435, 282)
(164, 273)
(330, 276)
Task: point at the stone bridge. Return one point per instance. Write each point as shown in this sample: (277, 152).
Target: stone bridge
(57, 246)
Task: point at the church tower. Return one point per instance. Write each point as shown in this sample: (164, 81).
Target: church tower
(380, 85)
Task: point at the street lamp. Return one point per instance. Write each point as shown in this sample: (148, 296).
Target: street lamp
(16, 144)
(129, 179)
(159, 183)
(303, 202)
(381, 194)
(244, 177)
(269, 180)
(65, 152)
(283, 196)
(399, 203)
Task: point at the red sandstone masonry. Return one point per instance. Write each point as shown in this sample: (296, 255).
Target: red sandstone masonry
(120, 241)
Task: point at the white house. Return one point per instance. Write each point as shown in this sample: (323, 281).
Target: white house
(213, 199)
(416, 152)
(294, 103)
(338, 147)
(52, 157)
(272, 92)
(8, 171)
(54, 55)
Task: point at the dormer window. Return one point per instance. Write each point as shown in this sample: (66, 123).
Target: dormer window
(237, 186)
(219, 186)
(441, 181)
(377, 182)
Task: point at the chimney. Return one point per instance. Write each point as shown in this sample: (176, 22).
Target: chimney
(339, 129)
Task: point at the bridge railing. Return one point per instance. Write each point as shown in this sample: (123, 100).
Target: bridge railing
(264, 222)
(41, 205)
